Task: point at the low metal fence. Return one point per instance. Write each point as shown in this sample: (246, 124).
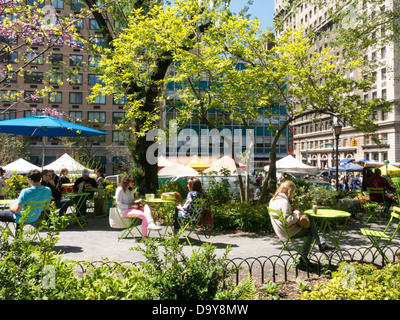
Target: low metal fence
(283, 267)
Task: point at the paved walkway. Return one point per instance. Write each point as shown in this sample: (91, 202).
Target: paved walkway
(97, 241)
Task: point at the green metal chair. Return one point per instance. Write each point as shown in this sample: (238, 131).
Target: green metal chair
(193, 224)
(380, 205)
(368, 207)
(29, 205)
(375, 236)
(278, 215)
(396, 181)
(127, 223)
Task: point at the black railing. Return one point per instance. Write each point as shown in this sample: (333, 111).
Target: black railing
(283, 267)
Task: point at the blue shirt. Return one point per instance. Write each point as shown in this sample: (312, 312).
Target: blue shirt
(33, 193)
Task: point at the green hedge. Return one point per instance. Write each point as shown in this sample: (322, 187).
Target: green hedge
(244, 216)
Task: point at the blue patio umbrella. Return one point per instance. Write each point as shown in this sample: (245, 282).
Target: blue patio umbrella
(348, 167)
(46, 126)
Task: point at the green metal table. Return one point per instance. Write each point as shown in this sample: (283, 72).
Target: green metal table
(325, 215)
(163, 201)
(77, 204)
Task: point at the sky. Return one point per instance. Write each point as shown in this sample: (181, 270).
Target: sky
(263, 10)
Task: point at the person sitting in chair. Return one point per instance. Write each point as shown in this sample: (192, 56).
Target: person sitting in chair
(129, 207)
(36, 192)
(281, 201)
(188, 211)
(377, 181)
(47, 181)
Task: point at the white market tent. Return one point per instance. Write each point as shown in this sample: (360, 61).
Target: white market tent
(290, 164)
(177, 170)
(21, 166)
(225, 162)
(162, 162)
(66, 161)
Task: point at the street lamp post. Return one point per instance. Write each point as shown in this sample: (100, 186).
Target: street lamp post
(337, 130)
(386, 162)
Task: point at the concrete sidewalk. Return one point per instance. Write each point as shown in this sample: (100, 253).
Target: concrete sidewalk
(97, 241)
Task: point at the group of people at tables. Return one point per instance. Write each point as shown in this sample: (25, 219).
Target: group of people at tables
(47, 187)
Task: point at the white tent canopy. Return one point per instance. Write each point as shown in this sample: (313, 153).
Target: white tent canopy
(226, 162)
(66, 161)
(177, 170)
(21, 166)
(290, 164)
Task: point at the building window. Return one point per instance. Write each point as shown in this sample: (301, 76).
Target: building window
(75, 98)
(100, 99)
(57, 4)
(8, 115)
(383, 74)
(32, 97)
(97, 116)
(33, 77)
(56, 58)
(77, 4)
(76, 79)
(8, 96)
(94, 79)
(55, 97)
(76, 60)
(75, 116)
(56, 78)
(31, 56)
(118, 136)
(117, 117)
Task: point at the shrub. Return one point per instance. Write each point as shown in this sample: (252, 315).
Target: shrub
(175, 276)
(245, 216)
(355, 281)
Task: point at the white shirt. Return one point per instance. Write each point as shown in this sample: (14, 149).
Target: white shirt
(123, 199)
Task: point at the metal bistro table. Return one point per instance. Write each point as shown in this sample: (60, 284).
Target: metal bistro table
(327, 214)
(77, 204)
(163, 201)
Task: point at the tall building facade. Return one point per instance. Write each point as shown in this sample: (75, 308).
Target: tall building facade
(209, 143)
(69, 95)
(70, 98)
(314, 141)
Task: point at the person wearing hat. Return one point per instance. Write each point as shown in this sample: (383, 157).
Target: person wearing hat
(82, 184)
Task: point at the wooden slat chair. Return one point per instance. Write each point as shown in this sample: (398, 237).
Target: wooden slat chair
(185, 223)
(278, 215)
(375, 236)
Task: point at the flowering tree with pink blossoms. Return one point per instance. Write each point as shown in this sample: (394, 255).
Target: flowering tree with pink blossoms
(28, 30)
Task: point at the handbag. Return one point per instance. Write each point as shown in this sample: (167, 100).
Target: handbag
(207, 218)
(304, 221)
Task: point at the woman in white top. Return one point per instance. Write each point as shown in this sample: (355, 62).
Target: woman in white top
(127, 206)
(281, 201)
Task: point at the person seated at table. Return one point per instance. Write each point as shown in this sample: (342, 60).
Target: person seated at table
(187, 211)
(47, 181)
(36, 192)
(82, 185)
(129, 207)
(377, 181)
(63, 179)
(281, 201)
